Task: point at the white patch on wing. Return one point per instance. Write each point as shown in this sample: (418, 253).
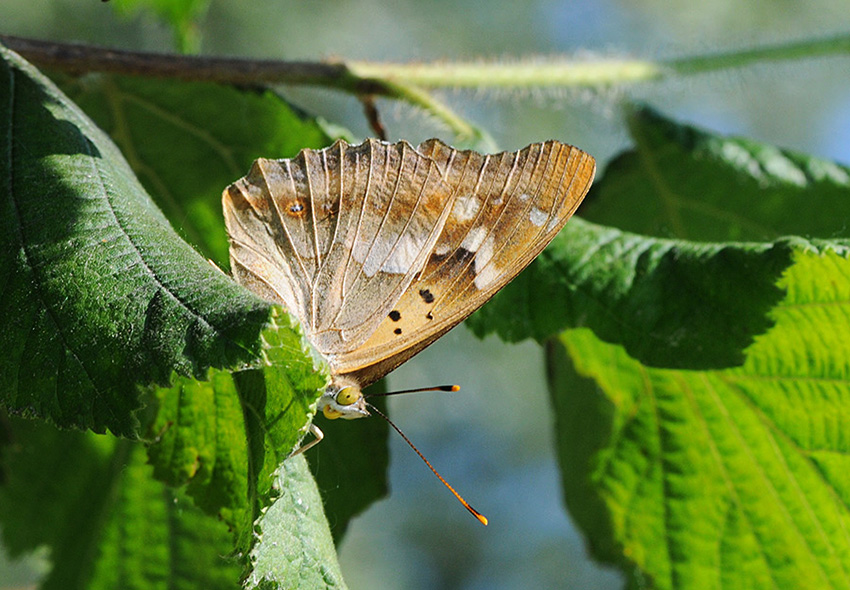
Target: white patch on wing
(393, 257)
(404, 254)
(473, 239)
(552, 223)
(524, 197)
(485, 273)
(537, 216)
(465, 208)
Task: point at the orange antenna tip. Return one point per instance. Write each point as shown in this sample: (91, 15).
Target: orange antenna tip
(481, 518)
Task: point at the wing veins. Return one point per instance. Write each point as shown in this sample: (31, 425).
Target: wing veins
(337, 216)
(528, 206)
(366, 189)
(471, 261)
(478, 214)
(419, 200)
(281, 222)
(385, 216)
(442, 300)
(309, 180)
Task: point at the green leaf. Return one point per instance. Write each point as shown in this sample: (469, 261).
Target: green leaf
(681, 181)
(92, 501)
(100, 294)
(225, 441)
(726, 478)
(227, 436)
(199, 439)
(186, 141)
(149, 118)
(295, 548)
(671, 304)
(105, 297)
(182, 15)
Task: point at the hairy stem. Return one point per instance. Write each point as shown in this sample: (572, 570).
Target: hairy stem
(411, 82)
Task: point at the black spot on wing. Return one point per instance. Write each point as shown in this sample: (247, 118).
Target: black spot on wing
(458, 257)
(397, 331)
(426, 295)
(395, 315)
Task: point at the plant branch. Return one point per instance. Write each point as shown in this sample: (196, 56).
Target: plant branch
(594, 73)
(77, 59)
(411, 82)
(807, 49)
(407, 81)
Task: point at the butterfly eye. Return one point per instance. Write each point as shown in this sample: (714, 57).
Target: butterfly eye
(330, 413)
(347, 396)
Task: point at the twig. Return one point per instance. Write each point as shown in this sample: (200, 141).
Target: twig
(77, 59)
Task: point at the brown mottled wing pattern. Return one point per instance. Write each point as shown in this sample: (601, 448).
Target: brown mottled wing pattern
(336, 235)
(381, 248)
(505, 209)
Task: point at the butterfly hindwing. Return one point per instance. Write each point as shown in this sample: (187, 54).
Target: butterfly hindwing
(336, 235)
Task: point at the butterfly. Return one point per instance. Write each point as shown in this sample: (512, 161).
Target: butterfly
(380, 248)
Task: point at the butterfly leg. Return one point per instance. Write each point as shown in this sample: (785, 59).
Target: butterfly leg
(318, 435)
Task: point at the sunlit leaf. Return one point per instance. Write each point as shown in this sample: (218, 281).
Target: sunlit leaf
(739, 474)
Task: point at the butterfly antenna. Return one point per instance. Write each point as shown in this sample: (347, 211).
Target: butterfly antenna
(481, 518)
(417, 390)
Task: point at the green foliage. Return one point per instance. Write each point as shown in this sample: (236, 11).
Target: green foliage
(670, 303)
(741, 473)
(105, 298)
(108, 523)
(737, 472)
(698, 386)
(100, 293)
(182, 15)
(295, 548)
(187, 141)
(683, 182)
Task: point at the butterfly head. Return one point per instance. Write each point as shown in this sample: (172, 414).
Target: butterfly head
(343, 399)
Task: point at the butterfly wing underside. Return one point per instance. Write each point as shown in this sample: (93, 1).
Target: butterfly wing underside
(380, 248)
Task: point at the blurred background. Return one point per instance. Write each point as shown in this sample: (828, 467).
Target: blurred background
(493, 440)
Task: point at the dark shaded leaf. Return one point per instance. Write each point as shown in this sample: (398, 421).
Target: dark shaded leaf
(100, 293)
(671, 304)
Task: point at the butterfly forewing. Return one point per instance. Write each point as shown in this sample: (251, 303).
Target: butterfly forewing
(506, 208)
